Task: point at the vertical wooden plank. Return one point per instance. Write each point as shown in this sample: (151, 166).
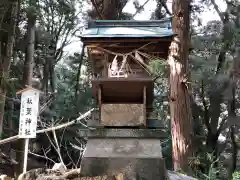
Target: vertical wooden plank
(105, 66)
(99, 95)
(99, 101)
(91, 66)
(145, 105)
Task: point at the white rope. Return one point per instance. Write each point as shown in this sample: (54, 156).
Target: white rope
(124, 62)
(116, 72)
(114, 66)
(121, 54)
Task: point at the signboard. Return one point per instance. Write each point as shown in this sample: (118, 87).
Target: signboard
(28, 113)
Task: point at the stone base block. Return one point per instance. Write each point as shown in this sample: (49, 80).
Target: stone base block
(139, 159)
(131, 168)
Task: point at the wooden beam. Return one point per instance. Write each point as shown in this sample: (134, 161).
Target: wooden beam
(162, 49)
(124, 51)
(133, 44)
(105, 40)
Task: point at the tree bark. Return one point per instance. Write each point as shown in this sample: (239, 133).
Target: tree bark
(29, 54)
(180, 111)
(232, 102)
(6, 56)
(107, 9)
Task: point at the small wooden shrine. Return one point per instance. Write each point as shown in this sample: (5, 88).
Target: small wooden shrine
(120, 54)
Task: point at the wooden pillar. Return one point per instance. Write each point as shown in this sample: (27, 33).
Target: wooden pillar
(145, 105)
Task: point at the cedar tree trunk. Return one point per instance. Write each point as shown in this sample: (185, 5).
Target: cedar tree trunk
(180, 110)
(6, 54)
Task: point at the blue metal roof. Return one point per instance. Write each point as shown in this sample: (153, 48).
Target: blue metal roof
(128, 28)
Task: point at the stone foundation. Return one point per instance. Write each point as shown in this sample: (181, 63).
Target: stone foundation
(136, 158)
(135, 153)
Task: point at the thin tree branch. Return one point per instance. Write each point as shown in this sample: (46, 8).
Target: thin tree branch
(79, 72)
(163, 3)
(139, 9)
(206, 110)
(72, 173)
(97, 10)
(75, 165)
(44, 157)
(57, 146)
(218, 10)
(234, 150)
(14, 138)
(226, 43)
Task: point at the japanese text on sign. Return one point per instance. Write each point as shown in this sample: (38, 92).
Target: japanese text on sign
(28, 114)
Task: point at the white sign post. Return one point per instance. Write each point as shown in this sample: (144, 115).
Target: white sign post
(28, 118)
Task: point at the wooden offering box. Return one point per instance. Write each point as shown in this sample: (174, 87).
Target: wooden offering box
(123, 101)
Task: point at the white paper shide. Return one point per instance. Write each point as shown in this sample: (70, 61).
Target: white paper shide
(29, 113)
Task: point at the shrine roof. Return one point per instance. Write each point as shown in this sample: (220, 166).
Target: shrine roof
(128, 29)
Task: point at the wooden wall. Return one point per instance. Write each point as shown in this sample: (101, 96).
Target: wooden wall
(123, 114)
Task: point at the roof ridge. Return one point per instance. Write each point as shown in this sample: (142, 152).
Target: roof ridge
(128, 23)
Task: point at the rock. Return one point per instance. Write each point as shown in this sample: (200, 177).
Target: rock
(50, 178)
(59, 167)
(178, 176)
(119, 177)
(4, 177)
(32, 174)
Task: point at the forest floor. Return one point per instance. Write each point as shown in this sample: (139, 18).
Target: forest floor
(48, 174)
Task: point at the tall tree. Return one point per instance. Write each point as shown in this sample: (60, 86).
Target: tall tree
(59, 22)
(180, 111)
(30, 35)
(28, 67)
(7, 36)
(234, 75)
